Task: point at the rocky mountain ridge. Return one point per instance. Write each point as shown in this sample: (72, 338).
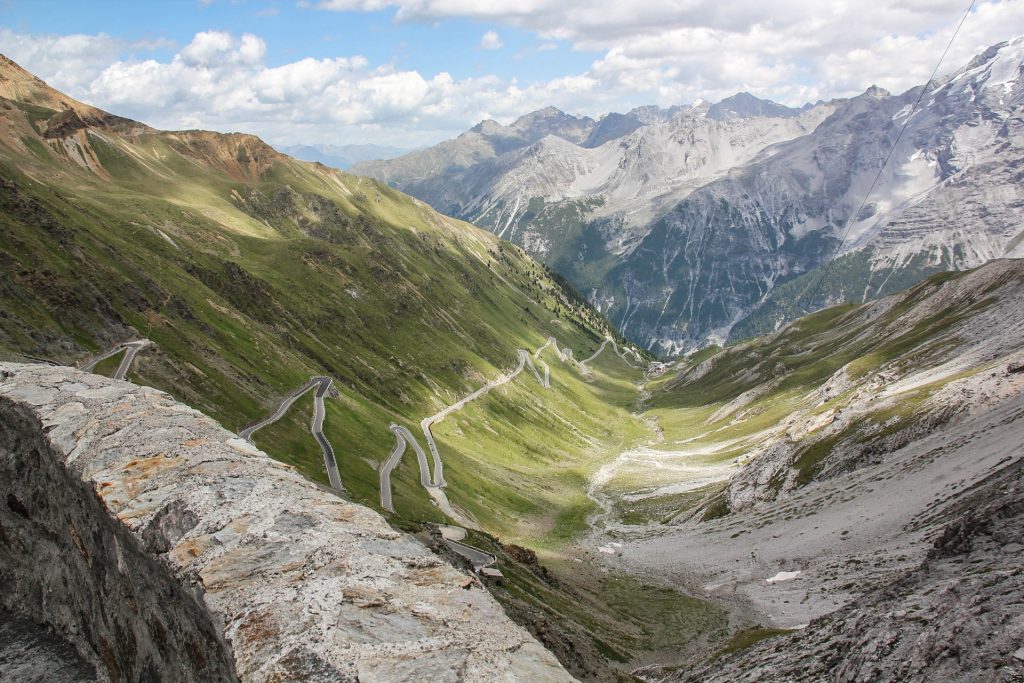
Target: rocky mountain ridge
(683, 227)
(850, 477)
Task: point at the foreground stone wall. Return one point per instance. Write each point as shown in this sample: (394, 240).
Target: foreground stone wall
(66, 563)
(162, 546)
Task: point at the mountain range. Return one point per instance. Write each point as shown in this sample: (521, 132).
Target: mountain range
(712, 222)
(343, 156)
(849, 471)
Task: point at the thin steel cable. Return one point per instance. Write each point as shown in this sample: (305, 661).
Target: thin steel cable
(852, 218)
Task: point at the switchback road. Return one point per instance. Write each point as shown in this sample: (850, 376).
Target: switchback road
(131, 349)
(323, 386)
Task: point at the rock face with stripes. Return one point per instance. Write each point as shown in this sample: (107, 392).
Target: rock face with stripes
(141, 536)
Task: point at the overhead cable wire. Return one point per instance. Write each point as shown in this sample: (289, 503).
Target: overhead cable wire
(852, 218)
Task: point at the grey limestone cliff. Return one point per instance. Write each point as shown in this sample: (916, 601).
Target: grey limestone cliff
(139, 540)
(714, 223)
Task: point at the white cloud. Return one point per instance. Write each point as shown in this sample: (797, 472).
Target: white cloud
(491, 41)
(662, 51)
(213, 48)
(783, 49)
(68, 62)
(220, 81)
(395, 93)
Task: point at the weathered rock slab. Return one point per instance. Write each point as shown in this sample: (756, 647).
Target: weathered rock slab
(299, 584)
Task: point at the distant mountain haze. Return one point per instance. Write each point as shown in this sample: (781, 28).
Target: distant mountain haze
(343, 156)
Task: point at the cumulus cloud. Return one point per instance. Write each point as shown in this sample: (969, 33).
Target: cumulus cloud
(491, 41)
(661, 51)
(786, 50)
(221, 81)
(69, 62)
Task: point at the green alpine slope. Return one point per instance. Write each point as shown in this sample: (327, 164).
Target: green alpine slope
(824, 395)
(251, 271)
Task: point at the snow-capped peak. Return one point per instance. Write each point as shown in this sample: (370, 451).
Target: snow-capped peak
(1006, 66)
(999, 66)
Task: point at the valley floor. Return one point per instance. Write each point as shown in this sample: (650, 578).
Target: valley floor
(784, 504)
(834, 539)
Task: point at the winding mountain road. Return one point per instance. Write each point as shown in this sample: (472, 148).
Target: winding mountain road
(547, 374)
(547, 371)
(597, 353)
(622, 354)
(317, 428)
(402, 437)
(427, 421)
(435, 485)
(131, 350)
(282, 408)
(618, 352)
(479, 558)
(95, 360)
(323, 386)
(453, 535)
(533, 369)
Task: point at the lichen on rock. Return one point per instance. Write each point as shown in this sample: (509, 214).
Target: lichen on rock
(252, 570)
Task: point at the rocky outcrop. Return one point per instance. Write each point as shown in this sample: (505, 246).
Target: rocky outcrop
(967, 324)
(957, 617)
(70, 566)
(892, 416)
(144, 537)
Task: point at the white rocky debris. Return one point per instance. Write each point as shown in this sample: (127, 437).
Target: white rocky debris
(872, 507)
(783, 576)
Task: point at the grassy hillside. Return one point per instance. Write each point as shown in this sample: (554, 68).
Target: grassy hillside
(252, 271)
(826, 394)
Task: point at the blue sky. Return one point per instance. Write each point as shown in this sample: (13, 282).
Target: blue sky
(412, 72)
(293, 32)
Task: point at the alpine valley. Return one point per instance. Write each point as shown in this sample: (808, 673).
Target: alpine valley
(266, 420)
(706, 223)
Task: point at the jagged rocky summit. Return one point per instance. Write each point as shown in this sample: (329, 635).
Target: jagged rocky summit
(706, 223)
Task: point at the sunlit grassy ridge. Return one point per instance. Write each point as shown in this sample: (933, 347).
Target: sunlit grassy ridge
(719, 406)
(252, 271)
